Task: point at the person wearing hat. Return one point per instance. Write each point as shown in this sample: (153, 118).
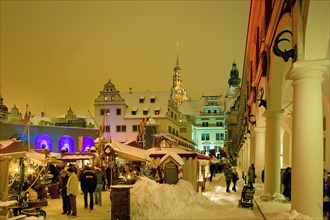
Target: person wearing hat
(72, 190)
(99, 186)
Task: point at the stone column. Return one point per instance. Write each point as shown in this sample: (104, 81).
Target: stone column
(273, 151)
(307, 137)
(247, 156)
(259, 151)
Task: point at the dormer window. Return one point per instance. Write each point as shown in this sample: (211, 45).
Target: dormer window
(157, 111)
(145, 111)
(141, 100)
(152, 99)
(134, 110)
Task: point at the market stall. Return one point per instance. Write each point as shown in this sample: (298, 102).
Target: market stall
(24, 179)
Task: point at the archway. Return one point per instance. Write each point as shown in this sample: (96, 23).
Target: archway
(67, 142)
(43, 141)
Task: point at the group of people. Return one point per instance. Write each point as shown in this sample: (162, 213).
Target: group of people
(91, 184)
(231, 175)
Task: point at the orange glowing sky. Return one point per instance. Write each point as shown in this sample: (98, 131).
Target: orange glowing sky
(57, 54)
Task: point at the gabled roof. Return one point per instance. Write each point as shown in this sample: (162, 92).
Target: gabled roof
(177, 159)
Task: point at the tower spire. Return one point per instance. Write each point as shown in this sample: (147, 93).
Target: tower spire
(177, 67)
(178, 93)
(177, 53)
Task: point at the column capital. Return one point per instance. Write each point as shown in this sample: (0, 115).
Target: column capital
(273, 113)
(308, 69)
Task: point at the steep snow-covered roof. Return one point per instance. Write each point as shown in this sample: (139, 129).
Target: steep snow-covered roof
(150, 101)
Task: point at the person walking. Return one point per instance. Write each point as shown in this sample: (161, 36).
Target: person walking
(212, 170)
(251, 175)
(109, 175)
(63, 180)
(72, 190)
(234, 178)
(88, 186)
(228, 175)
(99, 186)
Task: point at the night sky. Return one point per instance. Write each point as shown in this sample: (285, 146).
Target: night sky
(57, 54)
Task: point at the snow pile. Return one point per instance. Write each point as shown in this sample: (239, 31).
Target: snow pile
(293, 214)
(151, 200)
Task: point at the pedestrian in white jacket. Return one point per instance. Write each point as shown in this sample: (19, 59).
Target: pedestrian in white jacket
(72, 190)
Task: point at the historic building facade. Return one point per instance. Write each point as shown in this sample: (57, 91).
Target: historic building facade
(121, 113)
(207, 116)
(284, 100)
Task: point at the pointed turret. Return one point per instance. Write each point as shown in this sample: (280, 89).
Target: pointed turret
(234, 79)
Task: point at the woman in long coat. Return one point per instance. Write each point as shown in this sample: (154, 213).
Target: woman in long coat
(251, 175)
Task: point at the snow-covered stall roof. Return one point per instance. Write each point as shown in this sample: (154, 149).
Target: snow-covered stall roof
(76, 156)
(179, 151)
(130, 153)
(13, 145)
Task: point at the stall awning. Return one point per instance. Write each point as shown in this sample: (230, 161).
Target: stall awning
(130, 153)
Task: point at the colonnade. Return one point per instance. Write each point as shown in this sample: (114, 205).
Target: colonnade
(306, 138)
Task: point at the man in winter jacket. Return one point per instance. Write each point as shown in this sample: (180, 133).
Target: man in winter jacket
(88, 182)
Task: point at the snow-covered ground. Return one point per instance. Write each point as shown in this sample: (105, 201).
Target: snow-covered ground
(150, 200)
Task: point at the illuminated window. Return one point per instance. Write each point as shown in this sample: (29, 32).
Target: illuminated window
(157, 112)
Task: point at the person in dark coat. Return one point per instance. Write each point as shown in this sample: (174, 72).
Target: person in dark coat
(63, 180)
(108, 173)
(251, 175)
(228, 175)
(100, 181)
(212, 171)
(234, 178)
(287, 183)
(88, 182)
